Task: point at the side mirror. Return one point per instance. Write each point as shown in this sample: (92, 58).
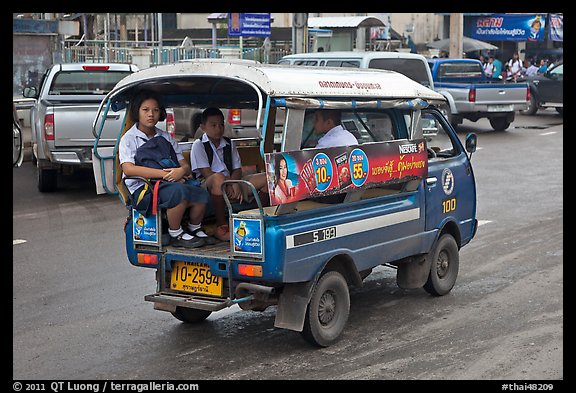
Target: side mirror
(471, 143)
(30, 92)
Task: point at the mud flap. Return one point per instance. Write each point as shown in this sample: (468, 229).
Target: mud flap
(414, 272)
(292, 305)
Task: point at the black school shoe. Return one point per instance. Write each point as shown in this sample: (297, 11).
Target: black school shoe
(209, 240)
(178, 241)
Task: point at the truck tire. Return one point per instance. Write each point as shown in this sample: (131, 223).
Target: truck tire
(444, 266)
(191, 315)
(532, 106)
(327, 311)
(499, 123)
(47, 179)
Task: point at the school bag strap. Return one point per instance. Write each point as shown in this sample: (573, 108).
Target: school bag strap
(227, 153)
(155, 197)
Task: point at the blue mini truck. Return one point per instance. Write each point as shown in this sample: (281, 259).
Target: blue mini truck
(403, 197)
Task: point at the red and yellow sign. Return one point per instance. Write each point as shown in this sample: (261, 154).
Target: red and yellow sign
(297, 175)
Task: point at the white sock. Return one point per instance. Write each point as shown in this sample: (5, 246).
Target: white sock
(193, 227)
(177, 232)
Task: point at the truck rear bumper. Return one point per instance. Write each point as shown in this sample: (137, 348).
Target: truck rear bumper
(72, 157)
(169, 301)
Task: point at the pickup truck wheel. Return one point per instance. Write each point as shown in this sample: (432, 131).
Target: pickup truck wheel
(327, 311)
(532, 106)
(190, 315)
(47, 179)
(444, 267)
(499, 123)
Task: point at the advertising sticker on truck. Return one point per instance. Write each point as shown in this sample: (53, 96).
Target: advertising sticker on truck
(317, 172)
(145, 229)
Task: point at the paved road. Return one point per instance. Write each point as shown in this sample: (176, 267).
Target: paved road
(79, 312)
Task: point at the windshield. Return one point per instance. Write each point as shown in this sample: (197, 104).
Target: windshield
(85, 82)
(414, 69)
(460, 70)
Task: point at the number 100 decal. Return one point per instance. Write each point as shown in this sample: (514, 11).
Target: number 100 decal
(358, 162)
(322, 171)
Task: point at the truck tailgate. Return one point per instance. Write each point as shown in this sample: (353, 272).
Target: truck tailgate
(73, 125)
(499, 96)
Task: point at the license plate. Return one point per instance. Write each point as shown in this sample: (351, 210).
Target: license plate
(500, 108)
(195, 277)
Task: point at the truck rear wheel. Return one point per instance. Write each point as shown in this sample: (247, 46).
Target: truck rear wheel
(190, 315)
(327, 311)
(444, 267)
(499, 123)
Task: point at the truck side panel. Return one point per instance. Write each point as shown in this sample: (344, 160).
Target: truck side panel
(378, 232)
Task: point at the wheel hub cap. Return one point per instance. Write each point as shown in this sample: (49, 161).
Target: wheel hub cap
(326, 308)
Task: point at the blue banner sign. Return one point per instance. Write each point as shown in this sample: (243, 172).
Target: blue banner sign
(252, 25)
(509, 27)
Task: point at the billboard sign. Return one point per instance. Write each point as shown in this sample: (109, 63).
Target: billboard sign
(248, 24)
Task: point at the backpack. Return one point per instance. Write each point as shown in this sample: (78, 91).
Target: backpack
(227, 153)
(157, 153)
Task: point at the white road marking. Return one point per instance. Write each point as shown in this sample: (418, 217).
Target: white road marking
(18, 241)
(482, 222)
(548, 133)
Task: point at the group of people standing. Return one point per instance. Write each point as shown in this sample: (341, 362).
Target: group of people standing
(514, 68)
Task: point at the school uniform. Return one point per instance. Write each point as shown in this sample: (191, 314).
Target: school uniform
(337, 136)
(169, 194)
(199, 158)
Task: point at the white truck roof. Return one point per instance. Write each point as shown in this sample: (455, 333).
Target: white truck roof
(353, 55)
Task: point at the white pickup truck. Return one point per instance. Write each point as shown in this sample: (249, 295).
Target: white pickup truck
(61, 119)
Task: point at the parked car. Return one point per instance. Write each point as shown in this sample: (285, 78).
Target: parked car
(547, 90)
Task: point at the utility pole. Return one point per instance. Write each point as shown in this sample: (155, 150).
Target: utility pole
(300, 33)
(456, 35)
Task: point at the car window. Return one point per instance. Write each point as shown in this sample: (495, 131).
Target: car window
(366, 126)
(437, 138)
(414, 69)
(306, 62)
(343, 63)
(459, 70)
(85, 82)
(558, 70)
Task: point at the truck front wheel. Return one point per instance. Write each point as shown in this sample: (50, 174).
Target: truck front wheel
(444, 266)
(327, 311)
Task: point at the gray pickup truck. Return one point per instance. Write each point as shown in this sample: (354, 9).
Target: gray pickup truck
(61, 119)
(471, 95)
